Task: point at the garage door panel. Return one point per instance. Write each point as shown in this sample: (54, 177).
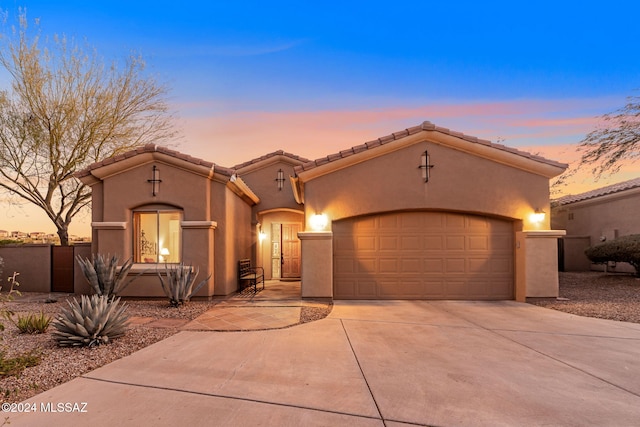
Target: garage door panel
(366, 265)
(479, 265)
(478, 243)
(345, 266)
(365, 243)
(410, 243)
(389, 266)
(367, 288)
(455, 265)
(455, 243)
(433, 266)
(423, 255)
(501, 266)
(433, 243)
(410, 266)
(454, 221)
(389, 243)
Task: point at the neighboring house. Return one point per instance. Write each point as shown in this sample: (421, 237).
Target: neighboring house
(593, 217)
(425, 213)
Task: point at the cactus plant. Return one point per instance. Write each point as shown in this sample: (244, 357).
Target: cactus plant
(103, 276)
(93, 321)
(179, 284)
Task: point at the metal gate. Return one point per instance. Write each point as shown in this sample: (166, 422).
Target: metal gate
(62, 269)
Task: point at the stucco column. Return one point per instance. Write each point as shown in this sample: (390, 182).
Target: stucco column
(317, 264)
(198, 244)
(537, 264)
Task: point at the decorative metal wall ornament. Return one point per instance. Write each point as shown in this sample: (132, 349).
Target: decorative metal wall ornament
(146, 247)
(280, 179)
(425, 165)
(155, 180)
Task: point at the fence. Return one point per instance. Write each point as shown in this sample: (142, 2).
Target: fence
(45, 268)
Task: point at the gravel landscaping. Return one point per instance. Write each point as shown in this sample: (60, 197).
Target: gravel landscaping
(615, 297)
(594, 294)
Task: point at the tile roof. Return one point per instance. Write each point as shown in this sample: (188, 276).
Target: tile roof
(425, 126)
(599, 192)
(150, 148)
(269, 155)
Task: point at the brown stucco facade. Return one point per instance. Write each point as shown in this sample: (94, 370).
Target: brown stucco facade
(280, 210)
(593, 217)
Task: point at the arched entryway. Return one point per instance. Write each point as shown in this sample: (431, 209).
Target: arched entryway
(279, 250)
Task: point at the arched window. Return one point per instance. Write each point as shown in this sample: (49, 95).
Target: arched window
(157, 235)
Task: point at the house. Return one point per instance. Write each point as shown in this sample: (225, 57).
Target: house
(593, 217)
(425, 213)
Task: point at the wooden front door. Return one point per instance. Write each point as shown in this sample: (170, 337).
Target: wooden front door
(290, 250)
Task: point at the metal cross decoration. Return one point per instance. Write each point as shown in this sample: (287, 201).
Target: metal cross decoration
(425, 165)
(155, 180)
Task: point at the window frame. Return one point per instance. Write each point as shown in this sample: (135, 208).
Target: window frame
(137, 230)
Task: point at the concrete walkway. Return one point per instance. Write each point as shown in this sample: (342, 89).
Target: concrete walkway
(383, 363)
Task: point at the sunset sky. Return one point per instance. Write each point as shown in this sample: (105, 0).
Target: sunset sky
(248, 78)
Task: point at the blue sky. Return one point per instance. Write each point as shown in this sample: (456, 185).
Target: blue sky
(312, 78)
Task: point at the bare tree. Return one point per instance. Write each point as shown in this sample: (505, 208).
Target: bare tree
(616, 139)
(65, 110)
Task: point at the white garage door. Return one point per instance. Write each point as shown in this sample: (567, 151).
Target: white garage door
(423, 255)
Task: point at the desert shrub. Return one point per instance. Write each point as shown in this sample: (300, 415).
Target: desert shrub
(32, 323)
(103, 274)
(9, 296)
(93, 321)
(13, 366)
(623, 249)
(178, 286)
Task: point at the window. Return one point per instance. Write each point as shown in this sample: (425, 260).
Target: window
(157, 236)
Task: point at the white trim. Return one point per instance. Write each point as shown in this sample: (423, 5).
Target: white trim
(109, 225)
(198, 224)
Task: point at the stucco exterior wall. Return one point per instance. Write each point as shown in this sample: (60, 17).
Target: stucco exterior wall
(215, 220)
(261, 179)
(236, 235)
(605, 217)
(33, 262)
(458, 182)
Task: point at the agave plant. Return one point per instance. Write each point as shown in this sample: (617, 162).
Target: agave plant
(103, 275)
(179, 283)
(93, 321)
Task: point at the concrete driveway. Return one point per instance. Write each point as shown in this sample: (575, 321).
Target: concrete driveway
(392, 363)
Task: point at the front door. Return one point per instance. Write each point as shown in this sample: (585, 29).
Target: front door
(290, 251)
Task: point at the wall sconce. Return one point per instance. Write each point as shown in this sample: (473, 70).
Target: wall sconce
(262, 235)
(425, 165)
(280, 179)
(318, 222)
(155, 180)
(537, 216)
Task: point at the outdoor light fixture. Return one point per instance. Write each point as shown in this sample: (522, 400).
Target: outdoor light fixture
(280, 179)
(318, 222)
(425, 165)
(537, 216)
(155, 180)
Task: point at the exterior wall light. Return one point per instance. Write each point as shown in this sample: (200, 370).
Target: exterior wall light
(318, 222)
(262, 235)
(537, 216)
(280, 179)
(425, 165)
(155, 180)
